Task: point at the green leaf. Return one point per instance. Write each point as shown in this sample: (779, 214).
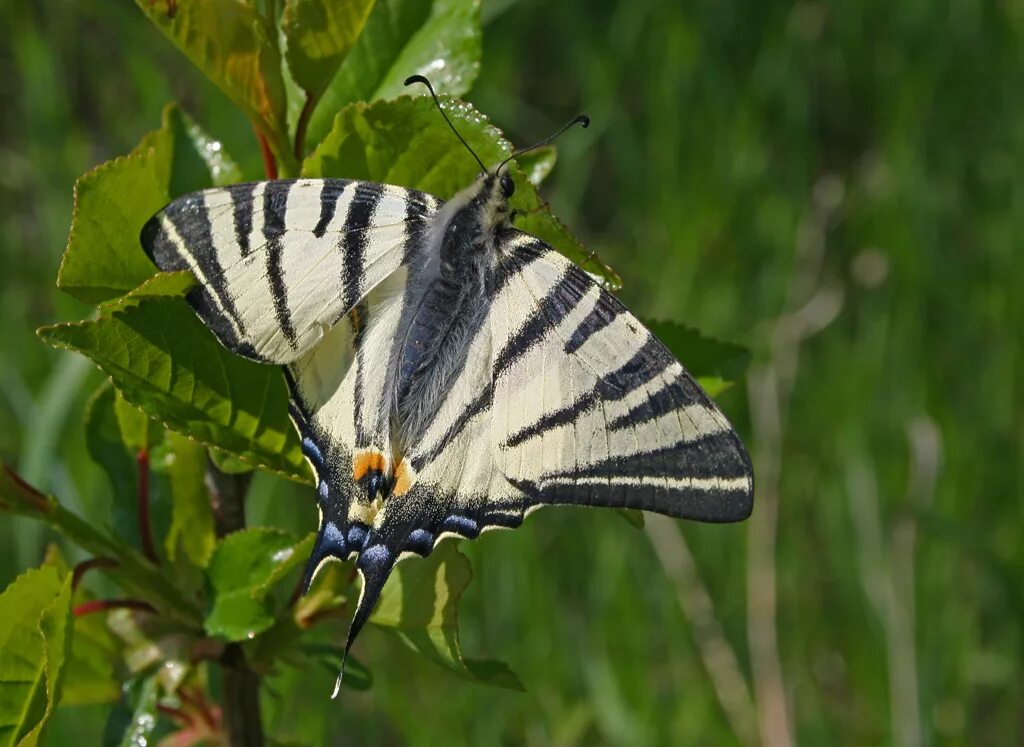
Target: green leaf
(106, 446)
(357, 675)
(420, 605)
(138, 431)
(634, 516)
(89, 677)
(538, 163)
(134, 720)
(228, 464)
(34, 614)
(320, 34)
(166, 362)
(192, 526)
(236, 47)
(151, 643)
(91, 672)
(715, 364)
(103, 259)
(136, 576)
(436, 38)
(199, 160)
(161, 285)
(406, 142)
(244, 567)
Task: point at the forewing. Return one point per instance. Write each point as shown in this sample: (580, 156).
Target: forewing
(589, 408)
(280, 262)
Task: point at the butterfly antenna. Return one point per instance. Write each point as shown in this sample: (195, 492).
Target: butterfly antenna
(580, 119)
(420, 79)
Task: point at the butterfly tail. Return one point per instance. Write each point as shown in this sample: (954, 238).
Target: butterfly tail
(374, 565)
(330, 544)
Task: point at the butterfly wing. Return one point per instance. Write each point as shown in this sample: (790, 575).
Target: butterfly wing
(565, 397)
(313, 275)
(270, 257)
(589, 408)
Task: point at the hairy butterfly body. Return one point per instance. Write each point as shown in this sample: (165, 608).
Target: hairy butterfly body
(448, 373)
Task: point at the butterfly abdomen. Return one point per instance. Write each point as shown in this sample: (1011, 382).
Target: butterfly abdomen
(440, 326)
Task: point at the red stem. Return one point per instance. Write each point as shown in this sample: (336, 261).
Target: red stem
(105, 605)
(177, 714)
(302, 125)
(269, 163)
(145, 532)
(88, 565)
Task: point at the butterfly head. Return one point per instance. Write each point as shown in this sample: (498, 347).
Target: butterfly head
(497, 184)
(494, 191)
(472, 218)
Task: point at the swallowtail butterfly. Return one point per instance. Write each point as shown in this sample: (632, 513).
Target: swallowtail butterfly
(448, 373)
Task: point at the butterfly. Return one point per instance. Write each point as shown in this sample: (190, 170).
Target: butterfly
(448, 373)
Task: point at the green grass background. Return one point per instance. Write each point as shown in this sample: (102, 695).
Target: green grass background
(836, 185)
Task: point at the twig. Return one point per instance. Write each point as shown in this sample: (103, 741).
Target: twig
(810, 307)
(87, 565)
(175, 714)
(241, 699)
(241, 696)
(887, 571)
(716, 654)
(105, 605)
(227, 499)
(769, 684)
(145, 531)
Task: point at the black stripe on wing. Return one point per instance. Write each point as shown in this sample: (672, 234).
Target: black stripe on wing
(707, 480)
(275, 201)
(551, 310)
(354, 238)
(190, 220)
(328, 204)
(706, 475)
(242, 199)
(603, 314)
(480, 403)
(417, 221)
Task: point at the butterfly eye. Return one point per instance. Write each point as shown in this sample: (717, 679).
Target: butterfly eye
(508, 187)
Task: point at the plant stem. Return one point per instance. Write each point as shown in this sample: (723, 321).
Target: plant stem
(241, 697)
(87, 565)
(145, 532)
(105, 605)
(132, 572)
(269, 162)
(716, 653)
(302, 124)
(227, 498)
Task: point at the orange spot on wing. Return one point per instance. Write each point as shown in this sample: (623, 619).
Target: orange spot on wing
(403, 480)
(363, 463)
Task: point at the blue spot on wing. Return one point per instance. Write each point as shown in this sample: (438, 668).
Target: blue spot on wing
(375, 556)
(463, 525)
(330, 543)
(419, 541)
(357, 534)
(312, 452)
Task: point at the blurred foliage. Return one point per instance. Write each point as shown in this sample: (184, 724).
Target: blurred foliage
(834, 185)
